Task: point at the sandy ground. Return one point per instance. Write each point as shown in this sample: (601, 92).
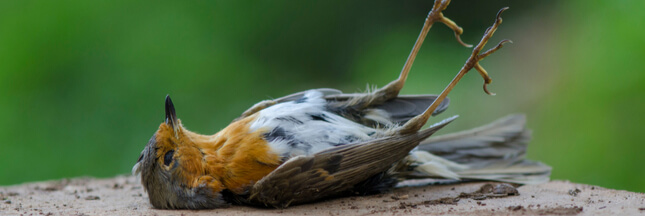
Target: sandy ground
(124, 196)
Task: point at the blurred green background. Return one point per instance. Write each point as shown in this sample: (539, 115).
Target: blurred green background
(82, 83)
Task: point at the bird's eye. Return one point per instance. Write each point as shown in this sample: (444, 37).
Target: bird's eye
(167, 159)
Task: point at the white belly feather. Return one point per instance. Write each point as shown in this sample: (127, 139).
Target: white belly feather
(305, 127)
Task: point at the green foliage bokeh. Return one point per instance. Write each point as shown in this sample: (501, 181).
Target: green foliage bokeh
(82, 83)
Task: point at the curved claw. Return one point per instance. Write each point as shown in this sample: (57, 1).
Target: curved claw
(455, 28)
(499, 14)
(492, 50)
(462, 42)
(487, 79)
(473, 62)
(488, 92)
(476, 57)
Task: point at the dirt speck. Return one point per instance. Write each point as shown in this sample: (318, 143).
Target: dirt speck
(443, 201)
(92, 198)
(505, 189)
(404, 205)
(515, 208)
(50, 188)
(560, 211)
(492, 191)
(574, 192)
(401, 197)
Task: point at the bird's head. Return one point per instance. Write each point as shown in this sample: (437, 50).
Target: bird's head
(172, 169)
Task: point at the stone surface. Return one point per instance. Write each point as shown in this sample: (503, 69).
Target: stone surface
(123, 195)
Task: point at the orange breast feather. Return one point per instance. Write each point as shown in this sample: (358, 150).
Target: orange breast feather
(236, 156)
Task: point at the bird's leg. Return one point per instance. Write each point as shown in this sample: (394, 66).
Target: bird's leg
(414, 124)
(392, 89)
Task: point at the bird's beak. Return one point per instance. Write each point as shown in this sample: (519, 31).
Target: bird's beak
(171, 116)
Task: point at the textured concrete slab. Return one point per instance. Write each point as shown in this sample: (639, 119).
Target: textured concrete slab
(124, 196)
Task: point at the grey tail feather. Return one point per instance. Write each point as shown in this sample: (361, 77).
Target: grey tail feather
(491, 152)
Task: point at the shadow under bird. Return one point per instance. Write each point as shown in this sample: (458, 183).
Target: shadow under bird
(322, 143)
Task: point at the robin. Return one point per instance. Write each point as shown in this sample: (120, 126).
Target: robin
(322, 143)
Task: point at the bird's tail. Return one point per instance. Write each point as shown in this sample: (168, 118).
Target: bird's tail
(491, 152)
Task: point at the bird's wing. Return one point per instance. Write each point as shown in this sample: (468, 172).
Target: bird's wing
(405, 107)
(308, 178)
(398, 110)
(492, 152)
(505, 138)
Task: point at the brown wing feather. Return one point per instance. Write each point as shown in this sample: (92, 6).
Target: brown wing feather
(399, 110)
(309, 178)
(405, 107)
(492, 152)
(505, 138)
